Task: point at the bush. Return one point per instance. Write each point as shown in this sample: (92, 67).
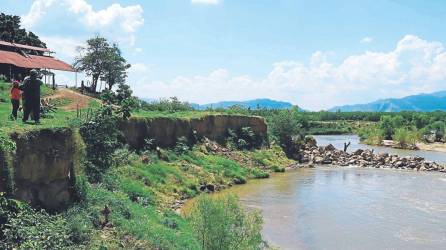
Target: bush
(405, 137)
(22, 227)
(100, 135)
(181, 146)
(371, 135)
(244, 138)
(221, 223)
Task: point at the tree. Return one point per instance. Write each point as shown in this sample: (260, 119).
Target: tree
(123, 92)
(115, 70)
(386, 126)
(10, 31)
(94, 59)
(102, 61)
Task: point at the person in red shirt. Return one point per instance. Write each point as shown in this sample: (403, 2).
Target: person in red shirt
(16, 94)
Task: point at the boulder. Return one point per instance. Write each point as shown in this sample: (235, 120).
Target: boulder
(358, 152)
(330, 147)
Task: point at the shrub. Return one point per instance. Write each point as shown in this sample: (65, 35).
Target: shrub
(126, 106)
(22, 227)
(181, 146)
(244, 138)
(221, 223)
(79, 225)
(100, 135)
(371, 135)
(405, 137)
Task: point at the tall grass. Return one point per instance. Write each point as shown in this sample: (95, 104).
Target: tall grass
(220, 222)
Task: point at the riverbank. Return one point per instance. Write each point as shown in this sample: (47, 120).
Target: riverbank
(435, 146)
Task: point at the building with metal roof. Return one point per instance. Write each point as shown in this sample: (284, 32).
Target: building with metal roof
(17, 59)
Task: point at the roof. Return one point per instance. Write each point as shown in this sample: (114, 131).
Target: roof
(33, 62)
(22, 46)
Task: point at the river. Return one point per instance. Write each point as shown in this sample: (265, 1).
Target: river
(352, 208)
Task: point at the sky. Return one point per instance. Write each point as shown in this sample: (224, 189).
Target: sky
(315, 54)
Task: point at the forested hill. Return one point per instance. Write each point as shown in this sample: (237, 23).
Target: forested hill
(422, 102)
(252, 104)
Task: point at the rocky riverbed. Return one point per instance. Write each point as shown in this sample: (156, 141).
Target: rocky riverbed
(329, 155)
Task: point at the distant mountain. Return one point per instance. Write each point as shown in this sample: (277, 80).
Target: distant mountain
(252, 104)
(421, 102)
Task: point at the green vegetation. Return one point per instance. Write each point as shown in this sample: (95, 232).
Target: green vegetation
(406, 128)
(125, 198)
(102, 61)
(60, 118)
(221, 223)
(130, 207)
(10, 31)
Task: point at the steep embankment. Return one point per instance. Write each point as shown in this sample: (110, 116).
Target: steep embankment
(43, 167)
(166, 131)
(131, 206)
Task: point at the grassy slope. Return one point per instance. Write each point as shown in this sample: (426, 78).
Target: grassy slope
(140, 194)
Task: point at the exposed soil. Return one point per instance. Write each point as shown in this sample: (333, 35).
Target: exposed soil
(77, 100)
(435, 146)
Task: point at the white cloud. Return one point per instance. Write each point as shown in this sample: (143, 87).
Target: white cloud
(367, 39)
(139, 68)
(413, 66)
(114, 19)
(64, 47)
(129, 18)
(36, 12)
(207, 2)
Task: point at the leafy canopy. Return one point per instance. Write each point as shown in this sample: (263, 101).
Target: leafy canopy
(100, 60)
(11, 31)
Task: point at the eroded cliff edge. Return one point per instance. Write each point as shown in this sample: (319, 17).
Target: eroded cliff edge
(42, 169)
(166, 131)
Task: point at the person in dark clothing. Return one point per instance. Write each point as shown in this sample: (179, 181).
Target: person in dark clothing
(15, 99)
(31, 96)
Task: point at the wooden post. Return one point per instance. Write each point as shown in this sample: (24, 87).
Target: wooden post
(54, 81)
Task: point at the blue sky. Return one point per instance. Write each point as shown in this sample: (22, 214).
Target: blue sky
(316, 54)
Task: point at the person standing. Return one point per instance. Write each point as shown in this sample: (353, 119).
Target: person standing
(31, 96)
(16, 94)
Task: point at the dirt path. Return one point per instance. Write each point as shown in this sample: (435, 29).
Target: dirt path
(77, 100)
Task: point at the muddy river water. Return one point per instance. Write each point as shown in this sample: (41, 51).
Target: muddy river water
(352, 208)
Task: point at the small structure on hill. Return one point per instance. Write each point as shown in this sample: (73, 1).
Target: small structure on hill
(16, 60)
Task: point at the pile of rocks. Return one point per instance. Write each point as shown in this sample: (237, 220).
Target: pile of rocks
(365, 158)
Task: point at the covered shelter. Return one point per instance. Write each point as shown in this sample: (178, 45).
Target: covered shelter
(16, 60)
